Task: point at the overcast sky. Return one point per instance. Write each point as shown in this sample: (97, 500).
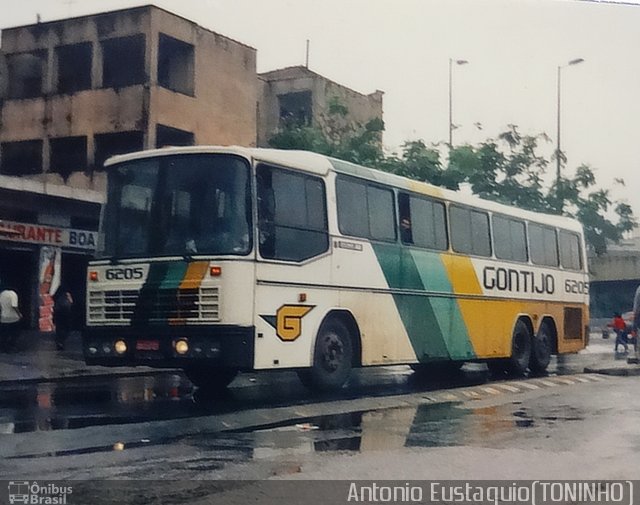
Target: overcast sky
(402, 47)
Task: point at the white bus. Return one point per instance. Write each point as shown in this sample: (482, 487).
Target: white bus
(227, 259)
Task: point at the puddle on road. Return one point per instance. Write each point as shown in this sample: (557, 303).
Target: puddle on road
(124, 400)
(59, 405)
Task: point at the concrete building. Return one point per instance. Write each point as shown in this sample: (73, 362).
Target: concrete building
(76, 91)
(614, 278)
(299, 95)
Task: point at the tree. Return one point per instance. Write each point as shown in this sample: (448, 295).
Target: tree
(335, 134)
(508, 169)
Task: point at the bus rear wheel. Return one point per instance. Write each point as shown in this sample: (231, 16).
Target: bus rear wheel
(209, 378)
(332, 358)
(518, 362)
(541, 349)
(520, 349)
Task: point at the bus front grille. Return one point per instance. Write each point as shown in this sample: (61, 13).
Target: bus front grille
(170, 306)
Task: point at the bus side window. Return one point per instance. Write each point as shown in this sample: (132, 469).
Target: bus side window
(404, 211)
(570, 251)
(543, 245)
(292, 215)
(266, 211)
(470, 231)
(422, 222)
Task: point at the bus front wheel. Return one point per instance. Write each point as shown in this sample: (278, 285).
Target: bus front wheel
(332, 358)
(210, 379)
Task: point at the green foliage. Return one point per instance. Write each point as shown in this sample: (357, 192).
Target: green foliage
(335, 135)
(508, 169)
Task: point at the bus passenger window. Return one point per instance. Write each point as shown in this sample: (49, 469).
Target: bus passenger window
(422, 222)
(365, 210)
(292, 215)
(570, 251)
(404, 211)
(470, 231)
(543, 245)
(509, 239)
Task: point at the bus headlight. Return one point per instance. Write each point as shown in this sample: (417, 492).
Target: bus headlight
(182, 346)
(120, 346)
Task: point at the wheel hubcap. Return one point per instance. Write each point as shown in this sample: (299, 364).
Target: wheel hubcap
(332, 352)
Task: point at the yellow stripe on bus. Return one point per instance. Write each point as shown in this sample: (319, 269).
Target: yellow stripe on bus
(489, 322)
(194, 275)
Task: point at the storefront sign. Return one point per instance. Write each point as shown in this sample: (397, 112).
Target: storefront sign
(48, 235)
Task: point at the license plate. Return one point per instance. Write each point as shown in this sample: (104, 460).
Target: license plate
(147, 345)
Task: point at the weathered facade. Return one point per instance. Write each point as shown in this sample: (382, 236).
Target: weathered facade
(614, 278)
(299, 95)
(80, 90)
(76, 91)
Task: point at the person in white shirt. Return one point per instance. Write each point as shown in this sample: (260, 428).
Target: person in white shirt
(10, 318)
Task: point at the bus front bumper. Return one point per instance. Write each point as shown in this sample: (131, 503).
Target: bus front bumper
(170, 347)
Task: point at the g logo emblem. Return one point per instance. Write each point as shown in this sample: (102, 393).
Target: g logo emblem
(289, 321)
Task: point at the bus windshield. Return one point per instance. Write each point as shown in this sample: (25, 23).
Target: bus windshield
(178, 205)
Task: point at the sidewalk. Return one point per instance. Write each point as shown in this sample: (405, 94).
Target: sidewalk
(38, 360)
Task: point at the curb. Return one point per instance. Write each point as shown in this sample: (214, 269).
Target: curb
(615, 371)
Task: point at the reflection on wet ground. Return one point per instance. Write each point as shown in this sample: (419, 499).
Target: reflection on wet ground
(121, 400)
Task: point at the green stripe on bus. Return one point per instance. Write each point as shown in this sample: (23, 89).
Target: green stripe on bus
(433, 275)
(434, 324)
(160, 289)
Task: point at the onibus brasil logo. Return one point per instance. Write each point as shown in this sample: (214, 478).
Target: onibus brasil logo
(38, 494)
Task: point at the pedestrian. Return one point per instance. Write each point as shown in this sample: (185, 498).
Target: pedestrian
(10, 318)
(620, 329)
(62, 315)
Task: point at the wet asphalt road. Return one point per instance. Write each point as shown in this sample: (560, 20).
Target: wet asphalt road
(268, 425)
(82, 402)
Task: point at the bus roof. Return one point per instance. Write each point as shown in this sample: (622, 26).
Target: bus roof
(321, 165)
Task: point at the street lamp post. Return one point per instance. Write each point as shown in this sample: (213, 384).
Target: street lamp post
(451, 62)
(558, 151)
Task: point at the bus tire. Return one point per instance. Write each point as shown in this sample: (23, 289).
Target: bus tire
(521, 344)
(332, 358)
(542, 348)
(209, 378)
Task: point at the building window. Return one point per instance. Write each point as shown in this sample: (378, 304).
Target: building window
(167, 136)
(74, 67)
(25, 74)
(509, 239)
(543, 245)
(176, 65)
(470, 231)
(123, 61)
(21, 158)
(68, 155)
(110, 144)
(295, 109)
(292, 215)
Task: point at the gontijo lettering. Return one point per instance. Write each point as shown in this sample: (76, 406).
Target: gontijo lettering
(521, 281)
